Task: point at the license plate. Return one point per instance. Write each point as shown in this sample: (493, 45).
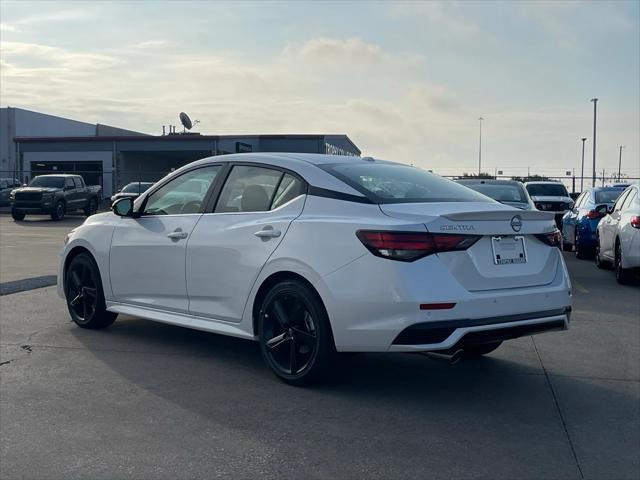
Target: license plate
(508, 250)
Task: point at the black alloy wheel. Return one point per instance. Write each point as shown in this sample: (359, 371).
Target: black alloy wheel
(581, 252)
(58, 211)
(83, 291)
(600, 263)
(295, 338)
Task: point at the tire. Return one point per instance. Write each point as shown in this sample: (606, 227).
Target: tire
(480, 349)
(17, 216)
(58, 211)
(91, 207)
(624, 276)
(84, 294)
(295, 335)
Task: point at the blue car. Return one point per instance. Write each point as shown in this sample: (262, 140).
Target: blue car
(579, 224)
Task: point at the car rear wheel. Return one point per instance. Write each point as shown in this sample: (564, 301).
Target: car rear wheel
(624, 276)
(91, 208)
(480, 349)
(17, 216)
(295, 335)
(58, 211)
(84, 294)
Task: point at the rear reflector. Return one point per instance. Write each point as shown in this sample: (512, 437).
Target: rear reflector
(553, 239)
(635, 221)
(410, 246)
(436, 306)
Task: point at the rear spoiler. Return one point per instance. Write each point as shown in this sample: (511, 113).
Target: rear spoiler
(507, 215)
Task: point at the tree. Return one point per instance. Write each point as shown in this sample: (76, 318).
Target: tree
(476, 175)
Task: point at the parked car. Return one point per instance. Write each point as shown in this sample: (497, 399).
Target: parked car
(618, 236)
(550, 197)
(509, 192)
(323, 254)
(54, 195)
(132, 190)
(579, 224)
(6, 185)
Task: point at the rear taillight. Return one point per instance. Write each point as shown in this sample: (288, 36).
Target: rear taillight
(635, 221)
(553, 239)
(410, 246)
(595, 214)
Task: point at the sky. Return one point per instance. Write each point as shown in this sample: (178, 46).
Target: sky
(406, 81)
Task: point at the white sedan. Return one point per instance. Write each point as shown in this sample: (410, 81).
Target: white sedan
(618, 236)
(316, 254)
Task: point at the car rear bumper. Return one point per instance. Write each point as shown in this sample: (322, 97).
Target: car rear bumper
(452, 335)
(369, 315)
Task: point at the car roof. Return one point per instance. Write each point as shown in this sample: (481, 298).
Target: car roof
(58, 175)
(545, 182)
(488, 181)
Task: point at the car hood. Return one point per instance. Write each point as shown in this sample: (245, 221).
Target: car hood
(545, 198)
(38, 189)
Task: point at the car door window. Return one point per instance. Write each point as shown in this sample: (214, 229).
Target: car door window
(78, 182)
(290, 187)
(620, 201)
(182, 195)
(248, 189)
(631, 196)
(68, 183)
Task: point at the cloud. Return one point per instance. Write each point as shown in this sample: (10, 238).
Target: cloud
(448, 16)
(8, 27)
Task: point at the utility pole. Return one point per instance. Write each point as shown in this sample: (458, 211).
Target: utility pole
(480, 148)
(582, 170)
(620, 161)
(595, 104)
(603, 173)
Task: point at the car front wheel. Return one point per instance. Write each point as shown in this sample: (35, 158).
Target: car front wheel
(17, 216)
(58, 211)
(295, 334)
(84, 294)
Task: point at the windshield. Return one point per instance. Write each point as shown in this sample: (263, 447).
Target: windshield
(500, 192)
(47, 182)
(547, 190)
(394, 183)
(608, 196)
(137, 187)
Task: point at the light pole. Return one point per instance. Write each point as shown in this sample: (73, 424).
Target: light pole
(584, 139)
(480, 148)
(620, 161)
(595, 104)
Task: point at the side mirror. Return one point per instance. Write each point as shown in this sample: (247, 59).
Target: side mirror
(123, 207)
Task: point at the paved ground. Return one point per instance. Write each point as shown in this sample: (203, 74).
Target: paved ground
(145, 400)
(30, 248)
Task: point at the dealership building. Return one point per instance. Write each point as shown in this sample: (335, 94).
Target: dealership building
(33, 143)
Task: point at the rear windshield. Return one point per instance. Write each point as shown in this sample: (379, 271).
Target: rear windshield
(608, 196)
(136, 187)
(394, 183)
(47, 182)
(500, 192)
(547, 190)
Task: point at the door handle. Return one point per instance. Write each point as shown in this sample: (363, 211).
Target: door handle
(177, 235)
(268, 232)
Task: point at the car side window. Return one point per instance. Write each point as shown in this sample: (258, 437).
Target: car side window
(248, 189)
(620, 201)
(68, 182)
(182, 195)
(290, 187)
(630, 198)
(78, 182)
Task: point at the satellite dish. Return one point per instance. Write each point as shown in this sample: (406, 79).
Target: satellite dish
(186, 121)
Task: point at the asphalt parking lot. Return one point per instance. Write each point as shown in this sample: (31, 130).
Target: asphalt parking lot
(147, 400)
